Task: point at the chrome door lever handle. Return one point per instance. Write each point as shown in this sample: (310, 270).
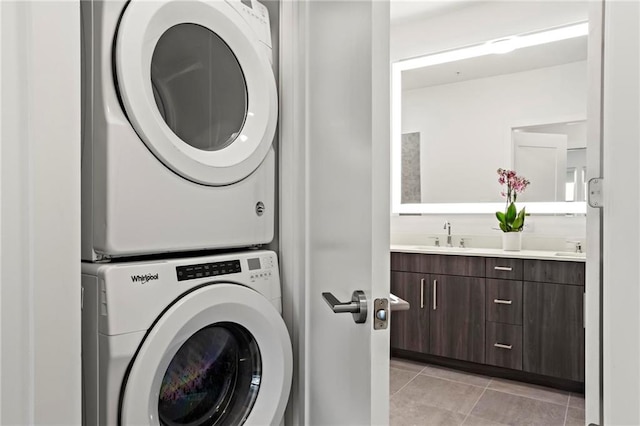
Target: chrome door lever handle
(357, 307)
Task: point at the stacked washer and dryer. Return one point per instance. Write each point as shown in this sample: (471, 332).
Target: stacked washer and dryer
(179, 116)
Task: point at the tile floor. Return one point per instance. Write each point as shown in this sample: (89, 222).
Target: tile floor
(423, 394)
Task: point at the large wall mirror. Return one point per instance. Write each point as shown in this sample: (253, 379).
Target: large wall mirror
(518, 102)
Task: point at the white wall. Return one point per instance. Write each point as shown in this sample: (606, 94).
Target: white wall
(479, 22)
(465, 127)
(40, 213)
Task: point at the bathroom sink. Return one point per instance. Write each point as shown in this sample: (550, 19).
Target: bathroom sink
(445, 249)
(571, 254)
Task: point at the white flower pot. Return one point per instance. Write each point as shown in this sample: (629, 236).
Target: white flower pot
(511, 241)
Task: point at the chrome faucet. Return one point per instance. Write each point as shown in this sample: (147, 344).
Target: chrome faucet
(447, 226)
(578, 245)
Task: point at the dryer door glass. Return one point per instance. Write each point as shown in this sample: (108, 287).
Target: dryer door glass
(214, 378)
(199, 87)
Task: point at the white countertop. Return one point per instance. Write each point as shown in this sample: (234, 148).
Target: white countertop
(492, 252)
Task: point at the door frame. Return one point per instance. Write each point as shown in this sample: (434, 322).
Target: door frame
(40, 296)
(594, 226)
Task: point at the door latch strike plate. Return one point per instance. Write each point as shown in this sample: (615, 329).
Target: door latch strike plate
(380, 314)
(596, 193)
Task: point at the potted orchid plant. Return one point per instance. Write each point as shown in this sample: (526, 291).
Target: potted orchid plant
(510, 220)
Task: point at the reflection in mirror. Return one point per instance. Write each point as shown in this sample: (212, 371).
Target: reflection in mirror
(457, 115)
(411, 192)
(576, 189)
(554, 156)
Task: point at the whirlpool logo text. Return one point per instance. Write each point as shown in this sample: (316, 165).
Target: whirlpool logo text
(143, 279)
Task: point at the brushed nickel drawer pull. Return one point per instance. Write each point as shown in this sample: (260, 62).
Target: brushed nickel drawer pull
(435, 294)
(500, 345)
(422, 293)
(502, 302)
(503, 268)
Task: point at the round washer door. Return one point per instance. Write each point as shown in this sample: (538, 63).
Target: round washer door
(221, 355)
(197, 86)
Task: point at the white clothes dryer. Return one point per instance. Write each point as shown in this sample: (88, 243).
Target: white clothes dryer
(180, 111)
(196, 341)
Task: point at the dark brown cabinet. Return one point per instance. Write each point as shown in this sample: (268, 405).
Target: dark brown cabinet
(504, 301)
(552, 271)
(410, 328)
(468, 266)
(504, 345)
(457, 317)
(504, 268)
(517, 314)
(504, 313)
(553, 330)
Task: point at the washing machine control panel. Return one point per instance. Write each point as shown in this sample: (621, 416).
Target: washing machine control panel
(260, 268)
(214, 269)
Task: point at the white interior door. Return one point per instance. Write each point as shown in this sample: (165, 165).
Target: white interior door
(334, 228)
(542, 159)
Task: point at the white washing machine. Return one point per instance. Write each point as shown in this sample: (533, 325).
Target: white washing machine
(180, 111)
(196, 341)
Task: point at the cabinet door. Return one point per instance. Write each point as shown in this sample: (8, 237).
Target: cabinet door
(457, 319)
(553, 342)
(410, 329)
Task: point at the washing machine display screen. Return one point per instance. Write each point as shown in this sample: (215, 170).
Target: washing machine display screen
(214, 378)
(199, 87)
(253, 263)
(247, 3)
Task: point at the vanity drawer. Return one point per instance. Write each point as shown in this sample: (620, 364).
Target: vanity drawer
(506, 269)
(504, 301)
(504, 345)
(469, 266)
(554, 271)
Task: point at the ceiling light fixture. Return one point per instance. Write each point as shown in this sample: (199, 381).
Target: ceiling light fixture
(503, 45)
(498, 46)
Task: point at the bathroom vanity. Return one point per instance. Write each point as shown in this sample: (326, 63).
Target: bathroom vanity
(516, 315)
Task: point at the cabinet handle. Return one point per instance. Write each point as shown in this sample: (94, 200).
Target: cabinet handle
(435, 294)
(500, 345)
(502, 302)
(503, 268)
(422, 293)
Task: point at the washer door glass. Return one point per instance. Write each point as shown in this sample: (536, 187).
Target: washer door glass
(199, 87)
(214, 378)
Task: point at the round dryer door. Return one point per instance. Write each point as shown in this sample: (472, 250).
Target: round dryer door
(220, 355)
(197, 86)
